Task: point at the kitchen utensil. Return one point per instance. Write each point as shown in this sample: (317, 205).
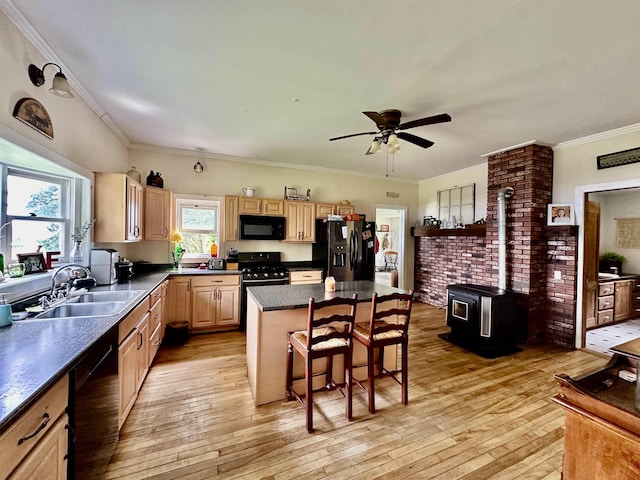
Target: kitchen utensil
(248, 191)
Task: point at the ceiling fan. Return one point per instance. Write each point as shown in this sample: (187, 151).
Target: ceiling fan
(388, 123)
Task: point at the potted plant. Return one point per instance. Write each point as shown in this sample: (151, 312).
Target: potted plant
(611, 262)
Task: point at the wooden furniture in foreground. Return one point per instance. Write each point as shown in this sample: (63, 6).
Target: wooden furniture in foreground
(602, 425)
(388, 325)
(324, 337)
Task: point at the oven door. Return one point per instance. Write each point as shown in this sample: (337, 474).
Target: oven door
(255, 283)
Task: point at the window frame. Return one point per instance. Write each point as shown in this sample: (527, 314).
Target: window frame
(194, 201)
(67, 193)
(457, 194)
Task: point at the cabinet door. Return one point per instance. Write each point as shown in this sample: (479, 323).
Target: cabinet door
(623, 300)
(231, 204)
(135, 195)
(291, 214)
(157, 204)
(142, 350)
(179, 299)
(228, 302)
(323, 210)
(155, 330)
(203, 305)
(273, 207)
(301, 221)
(346, 209)
(307, 220)
(128, 374)
(48, 460)
(250, 206)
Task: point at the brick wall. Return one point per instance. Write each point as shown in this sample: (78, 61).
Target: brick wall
(534, 251)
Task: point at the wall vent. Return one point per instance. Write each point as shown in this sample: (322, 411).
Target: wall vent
(619, 158)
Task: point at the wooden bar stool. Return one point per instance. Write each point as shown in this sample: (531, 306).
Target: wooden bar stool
(324, 337)
(386, 327)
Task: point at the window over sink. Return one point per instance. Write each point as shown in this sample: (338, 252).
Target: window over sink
(198, 220)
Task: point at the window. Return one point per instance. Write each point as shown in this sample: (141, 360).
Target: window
(36, 213)
(457, 204)
(198, 220)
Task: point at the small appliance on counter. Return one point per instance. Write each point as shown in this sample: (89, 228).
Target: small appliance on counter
(125, 270)
(216, 263)
(232, 259)
(103, 265)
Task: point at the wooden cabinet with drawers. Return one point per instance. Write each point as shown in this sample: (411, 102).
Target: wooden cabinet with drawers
(623, 300)
(261, 206)
(36, 445)
(618, 300)
(215, 301)
(303, 277)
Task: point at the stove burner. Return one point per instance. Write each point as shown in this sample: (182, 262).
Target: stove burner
(262, 266)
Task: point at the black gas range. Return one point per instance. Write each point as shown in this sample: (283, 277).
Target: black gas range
(259, 269)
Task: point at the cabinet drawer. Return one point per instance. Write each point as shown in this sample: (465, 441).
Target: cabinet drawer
(307, 276)
(129, 323)
(605, 317)
(37, 421)
(605, 302)
(606, 289)
(214, 280)
(155, 295)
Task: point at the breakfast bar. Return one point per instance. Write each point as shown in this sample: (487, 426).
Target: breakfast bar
(274, 311)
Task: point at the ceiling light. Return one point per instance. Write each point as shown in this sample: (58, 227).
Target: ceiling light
(375, 146)
(60, 85)
(198, 167)
(393, 140)
(394, 148)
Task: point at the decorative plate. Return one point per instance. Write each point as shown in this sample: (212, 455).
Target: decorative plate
(31, 112)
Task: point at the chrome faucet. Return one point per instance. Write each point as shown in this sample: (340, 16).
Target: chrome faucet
(72, 275)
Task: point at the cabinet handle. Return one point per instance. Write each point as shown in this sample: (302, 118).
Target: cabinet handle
(46, 418)
(189, 285)
(139, 338)
(216, 281)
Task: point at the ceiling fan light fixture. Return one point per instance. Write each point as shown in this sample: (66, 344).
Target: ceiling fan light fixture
(393, 140)
(198, 167)
(394, 148)
(375, 146)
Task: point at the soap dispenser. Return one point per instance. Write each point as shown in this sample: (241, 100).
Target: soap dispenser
(5, 312)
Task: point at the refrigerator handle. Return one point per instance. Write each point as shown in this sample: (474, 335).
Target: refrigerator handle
(353, 250)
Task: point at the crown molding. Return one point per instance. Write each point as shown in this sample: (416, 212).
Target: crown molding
(599, 136)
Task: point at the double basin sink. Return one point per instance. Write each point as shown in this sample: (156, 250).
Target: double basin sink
(92, 304)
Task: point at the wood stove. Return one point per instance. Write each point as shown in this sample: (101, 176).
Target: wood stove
(483, 319)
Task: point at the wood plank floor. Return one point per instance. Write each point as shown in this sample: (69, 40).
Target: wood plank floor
(467, 418)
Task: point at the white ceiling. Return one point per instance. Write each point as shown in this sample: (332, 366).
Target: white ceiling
(274, 80)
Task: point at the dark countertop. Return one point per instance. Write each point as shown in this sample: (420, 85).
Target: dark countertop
(284, 297)
(622, 276)
(35, 353)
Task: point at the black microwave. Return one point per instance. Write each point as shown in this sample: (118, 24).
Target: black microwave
(257, 227)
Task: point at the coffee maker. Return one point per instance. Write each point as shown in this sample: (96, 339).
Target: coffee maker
(103, 265)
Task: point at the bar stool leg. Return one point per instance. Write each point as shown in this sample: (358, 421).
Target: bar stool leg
(349, 381)
(289, 393)
(405, 373)
(371, 375)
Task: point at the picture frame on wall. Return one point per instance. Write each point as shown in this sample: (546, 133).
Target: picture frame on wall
(560, 214)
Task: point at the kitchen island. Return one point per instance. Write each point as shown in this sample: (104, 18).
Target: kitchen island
(274, 311)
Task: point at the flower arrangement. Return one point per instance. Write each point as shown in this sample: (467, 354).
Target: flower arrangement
(81, 233)
(178, 251)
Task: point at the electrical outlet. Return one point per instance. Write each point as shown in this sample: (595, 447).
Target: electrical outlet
(557, 275)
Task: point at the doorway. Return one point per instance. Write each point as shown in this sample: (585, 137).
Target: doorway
(390, 252)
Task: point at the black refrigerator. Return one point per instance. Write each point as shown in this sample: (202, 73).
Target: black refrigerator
(345, 250)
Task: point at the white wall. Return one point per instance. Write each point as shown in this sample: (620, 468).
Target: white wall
(428, 194)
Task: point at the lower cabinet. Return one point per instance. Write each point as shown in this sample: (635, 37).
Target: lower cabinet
(302, 277)
(36, 445)
(623, 300)
(215, 301)
(179, 299)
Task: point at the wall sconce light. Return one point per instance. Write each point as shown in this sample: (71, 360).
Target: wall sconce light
(198, 167)
(60, 85)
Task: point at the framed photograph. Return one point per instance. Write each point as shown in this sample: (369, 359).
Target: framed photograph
(33, 262)
(560, 214)
(384, 228)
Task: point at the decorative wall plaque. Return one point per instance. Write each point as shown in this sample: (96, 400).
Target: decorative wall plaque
(31, 112)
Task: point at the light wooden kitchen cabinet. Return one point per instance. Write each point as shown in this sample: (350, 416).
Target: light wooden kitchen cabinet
(179, 299)
(36, 445)
(133, 357)
(231, 206)
(155, 324)
(345, 209)
(604, 306)
(157, 208)
(118, 207)
(301, 221)
(623, 300)
(261, 206)
(305, 277)
(164, 289)
(215, 301)
(323, 210)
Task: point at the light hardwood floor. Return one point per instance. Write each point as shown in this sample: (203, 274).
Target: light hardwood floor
(468, 417)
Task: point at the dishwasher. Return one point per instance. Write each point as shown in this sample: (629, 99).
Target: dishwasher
(93, 409)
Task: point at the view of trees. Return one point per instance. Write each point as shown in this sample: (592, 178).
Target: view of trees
(45, 203)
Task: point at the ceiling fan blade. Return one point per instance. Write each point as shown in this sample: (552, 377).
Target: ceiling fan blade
(421, 142)
(443, 117)
(376, 117)
(352, 135)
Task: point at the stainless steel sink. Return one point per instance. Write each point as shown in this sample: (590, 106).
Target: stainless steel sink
(92, 309)
(603, 275)
(119, 296)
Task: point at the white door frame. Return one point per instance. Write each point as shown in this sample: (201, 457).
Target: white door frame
(579, 195)
(402, 227)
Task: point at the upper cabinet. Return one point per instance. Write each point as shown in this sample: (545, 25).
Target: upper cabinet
(260, 206)
(231, 203)
(157, 207)
(301, 221)
(119, 204)
(323, 210)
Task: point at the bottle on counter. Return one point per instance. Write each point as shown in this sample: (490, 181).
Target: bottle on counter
(214, 250)
(6, 317)
(330, 284)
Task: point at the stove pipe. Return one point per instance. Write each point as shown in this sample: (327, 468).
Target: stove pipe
(503, 195)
